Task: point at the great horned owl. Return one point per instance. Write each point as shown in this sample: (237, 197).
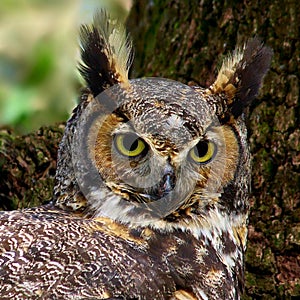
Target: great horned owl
(151, 191)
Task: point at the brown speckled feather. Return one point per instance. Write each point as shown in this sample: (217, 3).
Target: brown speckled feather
(73, 257)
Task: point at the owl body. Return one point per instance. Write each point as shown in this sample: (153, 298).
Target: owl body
(79, 258)
(152, 182)
(74, 259)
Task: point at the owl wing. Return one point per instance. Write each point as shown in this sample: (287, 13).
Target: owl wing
(52, 254)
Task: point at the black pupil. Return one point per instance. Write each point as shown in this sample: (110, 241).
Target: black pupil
(130, 142)
(201, 149)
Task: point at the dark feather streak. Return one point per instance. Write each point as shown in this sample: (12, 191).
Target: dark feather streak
(249, 74)
(96, 68)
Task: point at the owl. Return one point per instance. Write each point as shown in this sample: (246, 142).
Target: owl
(152, 181)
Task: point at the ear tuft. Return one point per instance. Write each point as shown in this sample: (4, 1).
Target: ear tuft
(241, 75)
(106, 53)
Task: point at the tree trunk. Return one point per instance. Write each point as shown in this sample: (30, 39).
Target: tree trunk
(185, 41)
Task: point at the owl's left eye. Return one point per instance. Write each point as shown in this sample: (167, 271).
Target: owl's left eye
(203, 152)
(129, 144)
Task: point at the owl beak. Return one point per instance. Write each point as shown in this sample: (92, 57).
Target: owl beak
(167, 183)
(164, 187)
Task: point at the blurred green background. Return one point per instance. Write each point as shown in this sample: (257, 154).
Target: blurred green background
(39, 54)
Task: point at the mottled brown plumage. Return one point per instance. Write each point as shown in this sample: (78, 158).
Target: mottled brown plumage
(152, 183)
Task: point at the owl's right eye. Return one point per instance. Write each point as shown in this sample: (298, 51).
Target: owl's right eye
(130, 145)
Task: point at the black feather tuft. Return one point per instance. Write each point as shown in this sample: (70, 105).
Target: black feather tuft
(249, 74)
(106, 53)
(96, 69)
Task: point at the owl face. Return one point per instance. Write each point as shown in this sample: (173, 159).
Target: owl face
(155, 145)
(144, 150)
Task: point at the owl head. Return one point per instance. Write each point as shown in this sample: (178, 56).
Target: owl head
(152, 150)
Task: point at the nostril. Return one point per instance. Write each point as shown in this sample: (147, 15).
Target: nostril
(169, 180)
(164, 186)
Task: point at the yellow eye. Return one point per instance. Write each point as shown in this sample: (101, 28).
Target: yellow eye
(203, 152)
(130, 145)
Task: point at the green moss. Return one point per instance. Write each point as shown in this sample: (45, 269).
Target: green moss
(296, 290)
(276, 235)
(284, 119)
(281, 291)
(250, 279)
(268, 262)
(252, 257)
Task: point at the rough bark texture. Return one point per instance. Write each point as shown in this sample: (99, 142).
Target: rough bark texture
(27, 167)
(185, 40)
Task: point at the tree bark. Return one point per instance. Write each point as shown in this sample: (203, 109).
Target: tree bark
(186, 41)
(27, 167)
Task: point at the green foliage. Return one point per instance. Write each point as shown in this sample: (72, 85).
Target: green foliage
(39, 82)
